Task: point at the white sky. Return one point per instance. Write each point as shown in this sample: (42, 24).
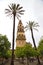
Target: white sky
(33, 12)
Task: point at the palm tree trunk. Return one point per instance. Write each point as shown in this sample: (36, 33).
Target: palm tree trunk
(13, 41)
(35, 46)
(33, 39)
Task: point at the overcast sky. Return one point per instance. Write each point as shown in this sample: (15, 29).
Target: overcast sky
(33, 12)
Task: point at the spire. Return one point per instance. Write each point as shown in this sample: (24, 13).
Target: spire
(20, 27)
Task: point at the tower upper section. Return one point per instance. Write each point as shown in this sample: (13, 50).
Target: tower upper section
(20, 27)
(20, 32)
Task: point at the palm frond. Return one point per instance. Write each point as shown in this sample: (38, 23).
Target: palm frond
(7, 10)
(20, 8)
(35, 25)
(27, 23)
(17, 6)
(32, 22)
(32, 25)
(9, 14)
(18, 15)
(14, 9)
(35, 29)
(22, 11)
(10, 7)
(13, 6)
(26, 29)
(27, 26)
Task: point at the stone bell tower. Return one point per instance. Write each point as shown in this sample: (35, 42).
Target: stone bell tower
(20, 40)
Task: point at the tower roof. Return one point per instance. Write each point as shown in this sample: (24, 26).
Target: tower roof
(20, 27)
(20, 22)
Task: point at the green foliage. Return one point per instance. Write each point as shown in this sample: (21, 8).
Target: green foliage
(4, 45)
(40, 47)
(35, 53)
(26, 51)
(19, 52)
(8, 54)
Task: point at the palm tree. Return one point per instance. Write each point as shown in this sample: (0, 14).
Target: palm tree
(32, 25)
(15, 11)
